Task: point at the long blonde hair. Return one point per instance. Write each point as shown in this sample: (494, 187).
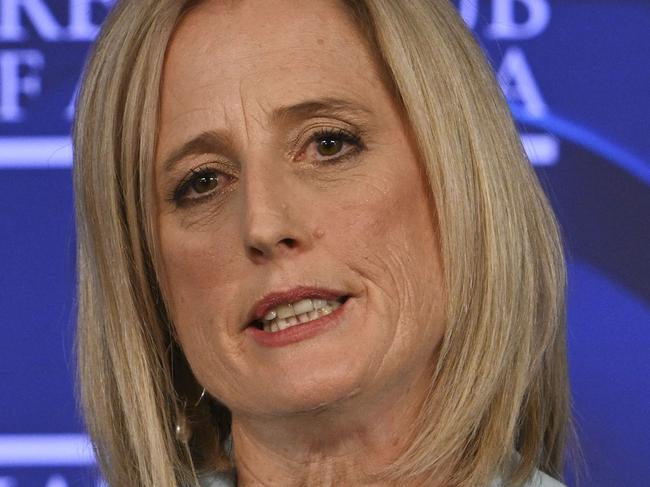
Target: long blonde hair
(501, 380)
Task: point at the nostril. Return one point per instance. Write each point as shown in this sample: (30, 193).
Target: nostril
(263, 248)
(255, 252)
(289, 242)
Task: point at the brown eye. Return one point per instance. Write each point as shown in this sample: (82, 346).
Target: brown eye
(201, 184)
(329, 146)
(205, 183)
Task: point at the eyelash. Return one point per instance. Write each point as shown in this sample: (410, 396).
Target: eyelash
(179, 194)
(343, 135)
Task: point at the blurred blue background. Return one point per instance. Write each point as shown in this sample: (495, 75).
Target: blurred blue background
(577, 75)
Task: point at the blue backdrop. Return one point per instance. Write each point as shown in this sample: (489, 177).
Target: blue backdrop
(577, 75)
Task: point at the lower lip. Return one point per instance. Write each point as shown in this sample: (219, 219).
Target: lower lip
(298, 333)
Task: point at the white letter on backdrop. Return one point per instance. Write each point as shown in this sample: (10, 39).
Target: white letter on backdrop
(518, 83)
(13, 85)
(40, 16)
(504, 25)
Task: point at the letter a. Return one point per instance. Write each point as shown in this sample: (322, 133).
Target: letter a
(518, 83)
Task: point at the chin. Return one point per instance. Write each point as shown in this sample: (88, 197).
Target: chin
(314, 392)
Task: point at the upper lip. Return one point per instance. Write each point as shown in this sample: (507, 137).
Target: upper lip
(273, 299)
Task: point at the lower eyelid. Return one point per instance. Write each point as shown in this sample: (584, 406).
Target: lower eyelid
(352, 150)
(347, 138)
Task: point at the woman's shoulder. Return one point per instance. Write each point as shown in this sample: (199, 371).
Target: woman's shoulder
(219, 479)
(540, 479)
(228, 479)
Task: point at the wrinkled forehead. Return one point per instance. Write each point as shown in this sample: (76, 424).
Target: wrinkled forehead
(227, 59)
(221, 43)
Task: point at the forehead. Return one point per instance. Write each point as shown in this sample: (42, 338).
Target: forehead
(228, 56)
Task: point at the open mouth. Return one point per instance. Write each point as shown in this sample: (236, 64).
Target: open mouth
(300, 312)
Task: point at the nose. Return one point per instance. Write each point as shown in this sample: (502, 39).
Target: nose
(275, 222)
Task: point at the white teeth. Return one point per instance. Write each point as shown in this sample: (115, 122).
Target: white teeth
(286, 315)
(302, 306)
(284, 311)
(281, 324)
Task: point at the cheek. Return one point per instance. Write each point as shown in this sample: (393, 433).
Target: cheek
(388, 233)
(198, 275)
(389, 218)
(195, 263)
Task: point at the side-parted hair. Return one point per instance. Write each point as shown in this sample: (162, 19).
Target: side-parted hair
(501, 382)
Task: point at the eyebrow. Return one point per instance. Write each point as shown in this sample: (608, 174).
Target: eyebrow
(217, 141)
(317, 107)
(206, 142)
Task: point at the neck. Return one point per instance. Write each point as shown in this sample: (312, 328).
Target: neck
(347, 443)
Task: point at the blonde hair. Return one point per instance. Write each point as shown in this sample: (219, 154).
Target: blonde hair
(501, 379)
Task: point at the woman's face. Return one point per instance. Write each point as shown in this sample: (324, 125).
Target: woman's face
(286, 171)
